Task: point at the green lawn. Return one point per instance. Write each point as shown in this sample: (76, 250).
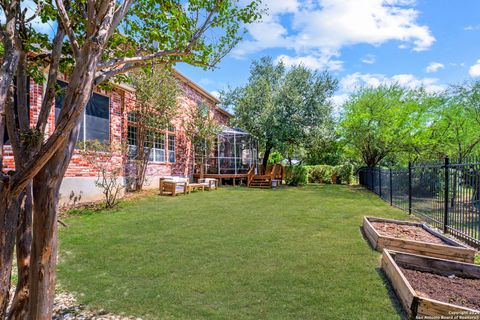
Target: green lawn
(235, 253)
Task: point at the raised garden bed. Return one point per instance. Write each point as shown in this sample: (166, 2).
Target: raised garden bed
(429, 286)
(415, 238)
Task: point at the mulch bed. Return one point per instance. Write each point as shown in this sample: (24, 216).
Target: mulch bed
(404, 231)
(464, 292)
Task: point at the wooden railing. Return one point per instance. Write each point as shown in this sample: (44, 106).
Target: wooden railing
(250, 174)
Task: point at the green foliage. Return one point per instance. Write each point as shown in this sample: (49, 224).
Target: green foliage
(178, 27)
(378, 122)
(296, 175)
(344, 173)
(282, 108)
(324, 151)
(275, 157)
(31, 138)
(156, 91)
(455, 129)
(320, 174)
(201, 128)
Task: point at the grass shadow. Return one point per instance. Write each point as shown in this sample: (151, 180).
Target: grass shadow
(392, 295)
(364, 236)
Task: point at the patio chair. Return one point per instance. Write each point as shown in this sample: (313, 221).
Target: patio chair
(173, 185)
(209, 183)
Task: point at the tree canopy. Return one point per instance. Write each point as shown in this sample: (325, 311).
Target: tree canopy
(283, 108)
(388, 121)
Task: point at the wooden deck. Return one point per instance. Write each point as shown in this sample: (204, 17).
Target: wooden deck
(220, 177)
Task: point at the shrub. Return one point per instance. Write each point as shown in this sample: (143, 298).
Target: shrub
(275, 157)
(344, 173)
(320, 174)
(296, 175)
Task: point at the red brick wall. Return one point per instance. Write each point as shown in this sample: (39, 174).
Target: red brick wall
(121, 101)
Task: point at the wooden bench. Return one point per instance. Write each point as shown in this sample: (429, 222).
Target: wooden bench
(209, 183)
(195, 186)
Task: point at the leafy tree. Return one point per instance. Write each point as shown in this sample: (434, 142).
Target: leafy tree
(282, 108)
(156, 92)
(105, 39)
(201, 128)
(455, 129)
(379, 122)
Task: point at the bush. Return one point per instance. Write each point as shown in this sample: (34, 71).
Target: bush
(320, 174)
(344, 173)
(274, 158)
(296, 175)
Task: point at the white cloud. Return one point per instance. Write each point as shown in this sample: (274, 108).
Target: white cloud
(356, 80)
(322, 29)
(282, 6)
(320, 62)
(339, 99)
(215, 93)
(474, 70)
(369, 59)
(434, 67)
(472, 27)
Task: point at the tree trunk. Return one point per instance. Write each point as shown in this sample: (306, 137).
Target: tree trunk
(8, 220)
(140, 157)
(268, 150)
(46, 187)
(19, 308)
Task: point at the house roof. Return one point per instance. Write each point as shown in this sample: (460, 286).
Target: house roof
(191, 84)
(202, 91)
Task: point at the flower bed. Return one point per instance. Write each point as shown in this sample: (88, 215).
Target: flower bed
(415, 238)
(429, 286)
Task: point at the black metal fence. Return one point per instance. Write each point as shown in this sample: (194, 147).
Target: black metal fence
(446, 194)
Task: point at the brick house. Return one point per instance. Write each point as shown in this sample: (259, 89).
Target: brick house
(106, 118)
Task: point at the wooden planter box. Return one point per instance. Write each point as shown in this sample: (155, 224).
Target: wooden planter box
(451, 250)
(415, 305)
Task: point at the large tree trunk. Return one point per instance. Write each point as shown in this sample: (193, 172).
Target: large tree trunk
(266, 155)
(19, 308)
(46, 187)
(8, 223)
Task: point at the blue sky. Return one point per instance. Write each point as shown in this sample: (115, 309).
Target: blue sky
(432, 43)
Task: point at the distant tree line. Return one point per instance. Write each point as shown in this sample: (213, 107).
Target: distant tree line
(290, 111)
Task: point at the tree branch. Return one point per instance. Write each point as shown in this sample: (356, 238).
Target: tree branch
(119, 15)
(67, 26)
(51, 81)
(119, 61)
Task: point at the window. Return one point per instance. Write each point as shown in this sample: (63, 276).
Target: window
(158, 150)
(132, 142)
(156, 143)
(95, 120)
(171, 148)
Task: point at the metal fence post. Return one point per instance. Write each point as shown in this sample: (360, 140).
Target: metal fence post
(380, 181)
(409, 187)
(447, 191)
(391, 188)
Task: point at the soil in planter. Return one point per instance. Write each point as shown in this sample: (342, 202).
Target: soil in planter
(405, 231)
(464, 292)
